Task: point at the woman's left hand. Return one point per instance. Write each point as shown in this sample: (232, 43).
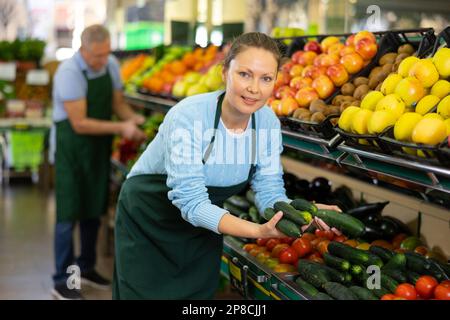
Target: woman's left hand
(327, 207)
(138, 119)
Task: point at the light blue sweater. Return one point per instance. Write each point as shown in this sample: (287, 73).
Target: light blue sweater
(181, 142)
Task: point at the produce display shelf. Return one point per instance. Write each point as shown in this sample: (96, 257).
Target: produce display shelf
(257, 280)
(25, 123)
(430, 177)
(435, 178)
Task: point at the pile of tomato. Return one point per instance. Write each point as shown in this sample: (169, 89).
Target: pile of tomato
(426, 288)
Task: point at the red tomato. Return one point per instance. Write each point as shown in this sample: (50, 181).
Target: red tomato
(425, 286)
(308, 236)
(278, 248)
(272, 243)
(322, 247)
(316, 259)
(320, 233)
(262, 242)
(445, 283)
(302, 247)
(329, 235)
(287, 240)
(407, 291)
(314, 256)
(316, 241)
(288, 255)
(249, 246)
(388, 296)
(442, 292)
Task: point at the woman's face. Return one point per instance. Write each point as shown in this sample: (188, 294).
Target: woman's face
(250, 79)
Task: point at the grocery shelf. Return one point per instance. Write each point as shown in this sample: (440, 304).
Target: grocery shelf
(255, 280)
(428, 177)
(435, 178)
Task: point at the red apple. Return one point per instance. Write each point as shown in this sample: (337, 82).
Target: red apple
(298, 83)
(305, 96)
(275, 105)
(283, 78)
(347, 50)
(296, 70)
(312, 46)
(366, 48)
(284, 91)
(364, 35)
(286, 67)
(329, 60)
(352, 62)
(307, 58)
(297, 55)
(324, 86)
(336, 48)
(318, 60)
(316, 72)
(350, 40)
(337, 74)
(326, 43)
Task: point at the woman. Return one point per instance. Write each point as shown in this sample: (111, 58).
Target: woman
(169, 222)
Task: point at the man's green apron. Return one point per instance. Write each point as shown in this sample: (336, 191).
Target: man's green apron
(83, 161)
(159, 255)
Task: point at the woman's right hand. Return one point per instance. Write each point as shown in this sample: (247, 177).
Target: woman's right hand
(268, 229)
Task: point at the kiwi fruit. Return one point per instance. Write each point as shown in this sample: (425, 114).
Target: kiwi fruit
(395, 66)
(305, 116)
(387, 58)
(357, 103)
(300, 111)
(337, 100)
(378, 87)
(360, 81)
(347, 89)
(344, 106)
(334, 121)
(401, 56)
(387, 68)
(317, 106)
(406, 48)
(360, 91)
(374, 71)
(317, 117)
(333, 110)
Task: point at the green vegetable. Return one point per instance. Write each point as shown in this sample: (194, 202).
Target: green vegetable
(344, 222)
(313, 275)
(388, 283)
(235, 211)
(383, 253)
(322, 296)
(396, 274)
(356, 269)
(338, 291)
(354, 255)
(412, 277)
(363, 293)
(289, 212)
(254, 215)
(305, 287)
(397, 262)
(379, 292)
(239, 202)
(336, 262)
(286, 226)
(303, 205)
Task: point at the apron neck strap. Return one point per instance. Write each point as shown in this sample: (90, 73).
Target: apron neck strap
(216, 125)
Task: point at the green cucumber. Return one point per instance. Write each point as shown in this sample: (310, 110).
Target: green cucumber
(305, 287)
(396, 274)
(322, 296)
(354, 255)
(348, 278)
(417, 263)
(250, 196)
(388, 283)
(356, 269)
(344, 222)
(303, 205)
(313, 275)
(288, 227)
(254, 215)
(397, 262)
(338, 291)
(336, 262)
(383, 253)
(412, 277)
(234, 210)
(363, 293)
(239, 202)
(289, 212)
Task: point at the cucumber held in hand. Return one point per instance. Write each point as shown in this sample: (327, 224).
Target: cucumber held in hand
(299, 217)
(286, 226)
(303, 205)
(346, 223)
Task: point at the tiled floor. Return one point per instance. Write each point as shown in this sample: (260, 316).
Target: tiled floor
(27, 217)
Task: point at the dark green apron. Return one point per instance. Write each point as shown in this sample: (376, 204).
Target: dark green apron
(83, 161)
(159, 255)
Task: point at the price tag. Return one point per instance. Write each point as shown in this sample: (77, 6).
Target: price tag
(238, 277)
(38, 77)
(8, 71)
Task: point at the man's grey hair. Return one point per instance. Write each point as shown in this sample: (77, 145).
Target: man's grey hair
(94, 33)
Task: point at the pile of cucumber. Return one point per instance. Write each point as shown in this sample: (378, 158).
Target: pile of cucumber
(344, 276)
(244, 207)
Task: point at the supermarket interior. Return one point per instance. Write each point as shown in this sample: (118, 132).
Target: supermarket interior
(147, 148)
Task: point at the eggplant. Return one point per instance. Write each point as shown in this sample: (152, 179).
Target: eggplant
(403, 228)
(364, 211)
(389, 228)
(289, 183)
(373, 219)
(372, 232)
(302, 187)
(345, 196)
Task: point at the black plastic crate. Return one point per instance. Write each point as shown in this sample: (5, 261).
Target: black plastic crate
(372, 142)
(443, 153)
(396, 148)
(324, 130)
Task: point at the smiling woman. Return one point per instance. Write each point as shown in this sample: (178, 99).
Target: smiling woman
(170, 220)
